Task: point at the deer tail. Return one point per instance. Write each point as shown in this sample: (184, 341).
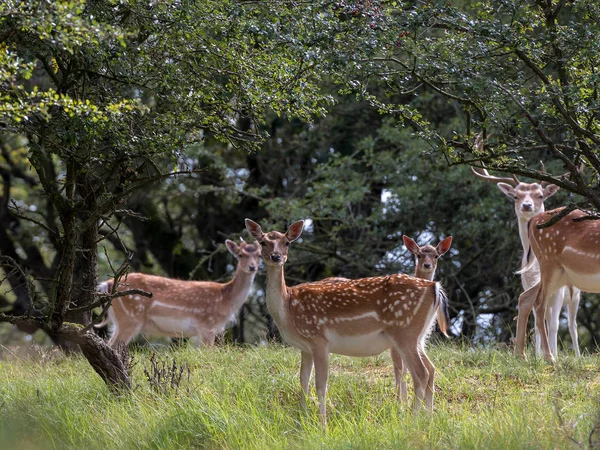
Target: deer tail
(441, 299)
(104, 288)
(530, 256)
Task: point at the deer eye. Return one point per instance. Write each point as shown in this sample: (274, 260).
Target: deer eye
(437, 256)
(287, 244)
(262, 243)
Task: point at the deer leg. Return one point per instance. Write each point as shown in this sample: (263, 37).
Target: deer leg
(540, 323)
(553, 312)
(399, 371)
(207, 338)
(124, 333)
(526, 302)
(321, 361)
(572, 308)
(306, 366)
(538, 340)
(430, 389)
(418, 370)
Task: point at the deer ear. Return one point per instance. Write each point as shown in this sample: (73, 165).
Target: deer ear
(254, 229)
(295, 230)
(411, 245)
(550, 190)
(507, 189)
(444, 246)
(232, 247)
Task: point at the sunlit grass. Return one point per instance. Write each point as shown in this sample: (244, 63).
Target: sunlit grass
(248, 397)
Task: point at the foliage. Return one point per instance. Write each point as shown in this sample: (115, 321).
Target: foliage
(160, 126)
(108, 94)
(484, 399)
(524, 72)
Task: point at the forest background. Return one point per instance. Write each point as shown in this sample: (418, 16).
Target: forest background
(146, 131)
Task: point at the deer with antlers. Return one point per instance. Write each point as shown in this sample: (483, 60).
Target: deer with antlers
(529, 201)
(361, 317)
(568, 253)
(179, 308)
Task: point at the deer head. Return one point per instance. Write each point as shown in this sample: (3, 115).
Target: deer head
(274, 244)
(528, 197)
(426, 256)
(248, 255)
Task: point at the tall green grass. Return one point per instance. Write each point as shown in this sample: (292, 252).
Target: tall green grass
(248, 398)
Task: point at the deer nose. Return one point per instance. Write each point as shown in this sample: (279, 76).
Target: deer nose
(527, 207)
(252, 268)
(276, 257)
(427, 265)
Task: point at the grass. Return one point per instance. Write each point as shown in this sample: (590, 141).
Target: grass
(248, 398)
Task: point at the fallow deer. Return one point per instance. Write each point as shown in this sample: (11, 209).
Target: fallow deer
(361, 317)
(179, 308)
(529, 201)
(568, 254)
(426, 258)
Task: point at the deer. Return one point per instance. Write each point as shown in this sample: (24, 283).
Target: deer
(567, 253)
(528, 201)
(359, 317)
(181, 308)
(426, 258)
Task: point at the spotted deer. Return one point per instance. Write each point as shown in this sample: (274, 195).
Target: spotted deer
(529, 201)
(361, 317)
(568, 255)
(426, 258)
(179, 308)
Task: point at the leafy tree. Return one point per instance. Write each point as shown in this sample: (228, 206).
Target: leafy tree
(522, 72)
(107, 96)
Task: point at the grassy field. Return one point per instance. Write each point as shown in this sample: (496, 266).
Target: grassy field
(248, 398)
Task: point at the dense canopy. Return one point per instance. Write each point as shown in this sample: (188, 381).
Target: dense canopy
(145, 132)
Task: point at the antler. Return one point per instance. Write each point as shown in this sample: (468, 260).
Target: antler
(484, 174)
(543, 183)
(564, 176)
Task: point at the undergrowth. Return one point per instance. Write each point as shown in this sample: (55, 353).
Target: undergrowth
(248, 398)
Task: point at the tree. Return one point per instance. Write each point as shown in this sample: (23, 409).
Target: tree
(522, 72)
(108, 96)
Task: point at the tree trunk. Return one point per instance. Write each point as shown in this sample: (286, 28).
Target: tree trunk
(109, 363)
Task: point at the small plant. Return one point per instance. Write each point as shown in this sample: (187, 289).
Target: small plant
(128, 359)
(166, 375)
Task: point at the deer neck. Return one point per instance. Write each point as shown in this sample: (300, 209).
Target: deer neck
(425, 276)
(532, 276)
(277, 294)
(524, 239)
(237, 290)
